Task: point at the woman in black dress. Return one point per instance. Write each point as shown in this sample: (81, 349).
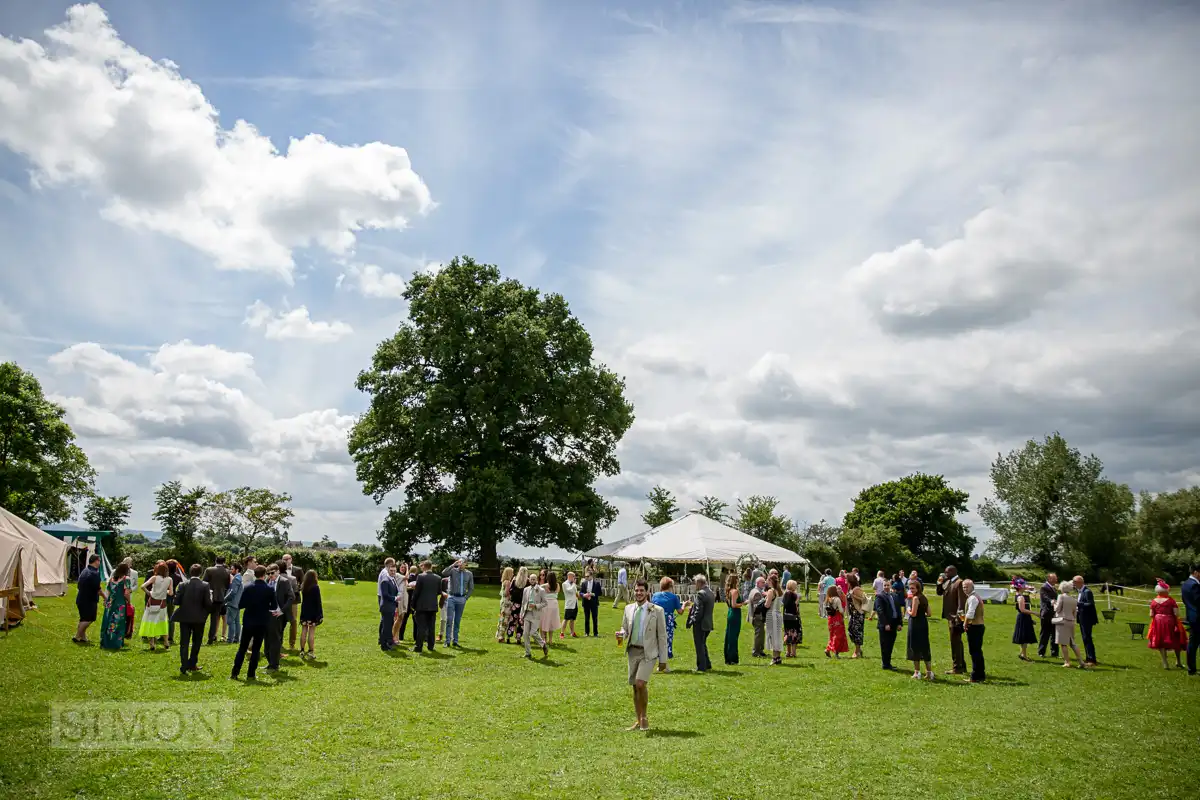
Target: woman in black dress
(918, 631)
(793, 633)
(311, 613)
(1023, 632)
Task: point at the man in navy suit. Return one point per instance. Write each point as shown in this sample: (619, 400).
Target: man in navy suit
(591, 591)
(259, 608)
(1191, 601)
(1087, 618)
(887, 613)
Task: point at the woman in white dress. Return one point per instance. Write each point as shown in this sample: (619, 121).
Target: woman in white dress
(774, 623)
(155, 622)
(570, 606)
(1064, 623)
(550, 620)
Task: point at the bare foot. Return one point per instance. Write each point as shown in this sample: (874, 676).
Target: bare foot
(637, 726)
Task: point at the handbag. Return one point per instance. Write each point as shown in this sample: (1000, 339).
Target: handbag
(1057, 620)
(691, 617)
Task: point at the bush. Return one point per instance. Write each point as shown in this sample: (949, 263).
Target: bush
(985, 569)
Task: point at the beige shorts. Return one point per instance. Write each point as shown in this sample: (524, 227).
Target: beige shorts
(640, 667)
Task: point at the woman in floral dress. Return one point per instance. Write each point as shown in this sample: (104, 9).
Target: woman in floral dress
(857, 602)
(516, 590)
(116, 600)
(505, 604)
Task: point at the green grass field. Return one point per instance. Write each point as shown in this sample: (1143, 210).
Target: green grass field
(483, 723)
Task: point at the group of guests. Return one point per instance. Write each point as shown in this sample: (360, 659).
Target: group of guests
(772, 605)
(416, 592)
(250, 612)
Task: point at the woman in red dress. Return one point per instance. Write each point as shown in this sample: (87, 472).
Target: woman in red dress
(1166, 633)
(837, 625)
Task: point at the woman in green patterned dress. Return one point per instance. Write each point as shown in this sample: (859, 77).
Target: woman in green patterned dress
(112, 629)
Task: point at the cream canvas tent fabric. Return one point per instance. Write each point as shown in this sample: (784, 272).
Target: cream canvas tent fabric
(16, 561)
(49, 576)
(694, 538)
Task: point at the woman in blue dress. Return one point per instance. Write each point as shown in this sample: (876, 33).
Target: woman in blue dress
(671, 605)
(112, 629)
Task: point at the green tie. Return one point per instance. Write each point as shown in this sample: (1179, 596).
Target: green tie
(636, 639)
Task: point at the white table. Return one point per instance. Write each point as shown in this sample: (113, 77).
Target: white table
(995, 595)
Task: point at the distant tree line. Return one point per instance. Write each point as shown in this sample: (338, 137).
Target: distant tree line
(1051, 509)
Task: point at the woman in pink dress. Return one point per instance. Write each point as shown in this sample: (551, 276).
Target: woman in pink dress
(837, 624)
(1166, 633)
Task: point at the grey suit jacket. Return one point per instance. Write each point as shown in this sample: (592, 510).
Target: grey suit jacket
(704, 602)
(285, 593)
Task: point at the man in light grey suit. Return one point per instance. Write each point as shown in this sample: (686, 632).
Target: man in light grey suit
(645, 627)
(702, 621)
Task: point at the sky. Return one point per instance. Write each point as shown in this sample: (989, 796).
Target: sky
(826, 245)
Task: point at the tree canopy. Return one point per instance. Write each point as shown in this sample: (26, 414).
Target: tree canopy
(922, 509)
(107, 513)
(488, 411)
(1044, 493)
(663, 507)
(756, 516)
(248, 517)
(178, 512)
(43, 473)
(713, 508)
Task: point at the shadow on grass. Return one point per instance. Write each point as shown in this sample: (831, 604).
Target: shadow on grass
(436, 654)
(545, 662)
(720, 673)
(663, 733)
(281, 676)
(191, 677)
(992, 680)
(471, 651)
(317, 664)
(395, 652)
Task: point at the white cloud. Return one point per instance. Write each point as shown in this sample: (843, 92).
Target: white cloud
(372, 281)
(293, 324)
(91, 110)
(207, 360)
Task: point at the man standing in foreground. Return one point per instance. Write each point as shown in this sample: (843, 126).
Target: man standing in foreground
(887, 613)
(1087, 617)
(953, 603)
(425, 604)
(193, 605)
(462, 586)
(87, 597)
(258, 609)
(702, 622)
(1191, 603)
(645, 627)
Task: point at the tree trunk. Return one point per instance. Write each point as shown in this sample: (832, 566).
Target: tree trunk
(488, 558)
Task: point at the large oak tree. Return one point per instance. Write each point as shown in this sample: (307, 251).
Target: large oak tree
(43, 473)
(489, 413)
